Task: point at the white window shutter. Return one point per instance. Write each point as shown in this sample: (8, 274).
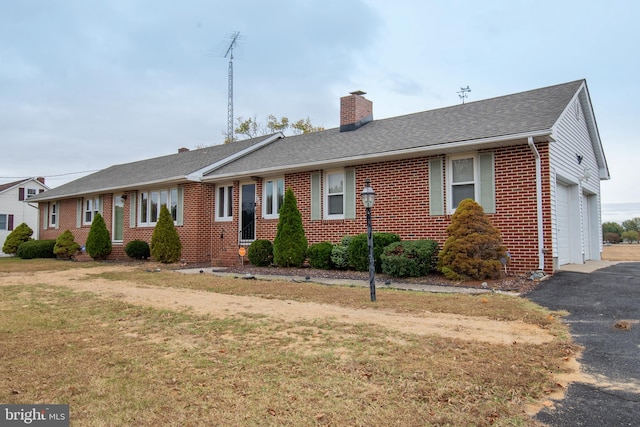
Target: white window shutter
(316, 196)
(436, 187)
(487, 183)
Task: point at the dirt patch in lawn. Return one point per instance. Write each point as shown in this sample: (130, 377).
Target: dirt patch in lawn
(223, 305)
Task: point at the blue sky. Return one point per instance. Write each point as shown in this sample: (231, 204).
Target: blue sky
(88, 84)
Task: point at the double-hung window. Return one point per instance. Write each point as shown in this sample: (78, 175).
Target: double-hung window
(3, 222)
(91, 208)
(273, 197)
(224, 203)
(152, 201)
(334, 195)
(53, 214)
(31, 192)
(463, 180)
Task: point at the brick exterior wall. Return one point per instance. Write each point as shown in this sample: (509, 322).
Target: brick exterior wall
(402, 207)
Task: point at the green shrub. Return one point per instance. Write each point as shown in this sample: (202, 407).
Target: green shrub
(410, 258)
(66, 246)
(474, 247)
(137, 249)
(340, 254)
(19, 235)
(165, 241)
(36, 249)
(359, 250)
(290, 244)
(260, 253)
(319, 255)
(98, 242)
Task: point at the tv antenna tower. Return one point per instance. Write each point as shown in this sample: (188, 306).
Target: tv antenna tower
(464, 93)
(234, 40)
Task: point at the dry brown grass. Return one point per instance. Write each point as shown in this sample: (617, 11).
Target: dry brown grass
(121, 364)
(621, 252)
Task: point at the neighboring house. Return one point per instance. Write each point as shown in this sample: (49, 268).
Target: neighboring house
(13, 209)
(533, 160)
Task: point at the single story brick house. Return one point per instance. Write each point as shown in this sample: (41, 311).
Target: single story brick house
(13, 209)
(533, 160)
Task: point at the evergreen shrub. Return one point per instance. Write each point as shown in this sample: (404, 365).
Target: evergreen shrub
(410, 258)
(319, 255)
(98, 244)
(137, 249)
(66, 246)
(260, 253)
(36, 249)
(359, 250)
(340, 254)
(19, 235)
(474, 247)
(290, 243)
(165, 241)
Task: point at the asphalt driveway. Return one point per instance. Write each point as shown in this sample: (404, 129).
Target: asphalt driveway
(597, 302)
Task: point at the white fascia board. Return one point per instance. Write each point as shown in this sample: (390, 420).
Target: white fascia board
(381, 156)
(198, 175)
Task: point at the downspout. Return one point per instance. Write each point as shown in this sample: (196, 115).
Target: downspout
(539, 204)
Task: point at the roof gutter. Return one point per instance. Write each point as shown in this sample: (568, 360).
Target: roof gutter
(538, 203)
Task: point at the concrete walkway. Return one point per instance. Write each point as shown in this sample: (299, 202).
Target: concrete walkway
(588, 267)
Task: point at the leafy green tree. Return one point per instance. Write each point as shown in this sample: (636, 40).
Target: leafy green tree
(290, 243)
(65, 246)
(612, 227)
(632, 224)
(474, 247)
(98, 242)
(19, 235)
(631, 236)
(165, 241)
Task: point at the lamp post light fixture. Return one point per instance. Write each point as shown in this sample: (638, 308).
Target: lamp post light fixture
(368, 199)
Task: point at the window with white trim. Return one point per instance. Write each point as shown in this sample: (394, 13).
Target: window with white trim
(31, 192)
(4, 223)
(91, 208)
(462, 180)
(273, 197)
(53, 214)
(334, 195)
(150, 203)
(224, 202)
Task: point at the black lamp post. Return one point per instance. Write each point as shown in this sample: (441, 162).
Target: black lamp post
(368, 199)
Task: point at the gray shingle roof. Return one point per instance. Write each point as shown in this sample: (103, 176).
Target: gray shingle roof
(130, 175)
(520, 113)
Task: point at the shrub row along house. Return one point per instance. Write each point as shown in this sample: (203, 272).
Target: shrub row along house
(533, 160)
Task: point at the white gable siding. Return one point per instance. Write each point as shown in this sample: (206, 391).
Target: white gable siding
(574, 164)
(21, 211)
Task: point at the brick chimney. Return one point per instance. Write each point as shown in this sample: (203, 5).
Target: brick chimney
(355, 111)
(41, 179)
(182, 150)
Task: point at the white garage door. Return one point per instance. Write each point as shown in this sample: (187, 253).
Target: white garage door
(562, 222)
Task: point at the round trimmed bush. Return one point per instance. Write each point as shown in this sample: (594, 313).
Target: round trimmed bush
(19, 235)
(319, 255)
(137, 249)
(36, 249)
(359, 250)
(260, 253)
(410, 258)
(66, 246)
